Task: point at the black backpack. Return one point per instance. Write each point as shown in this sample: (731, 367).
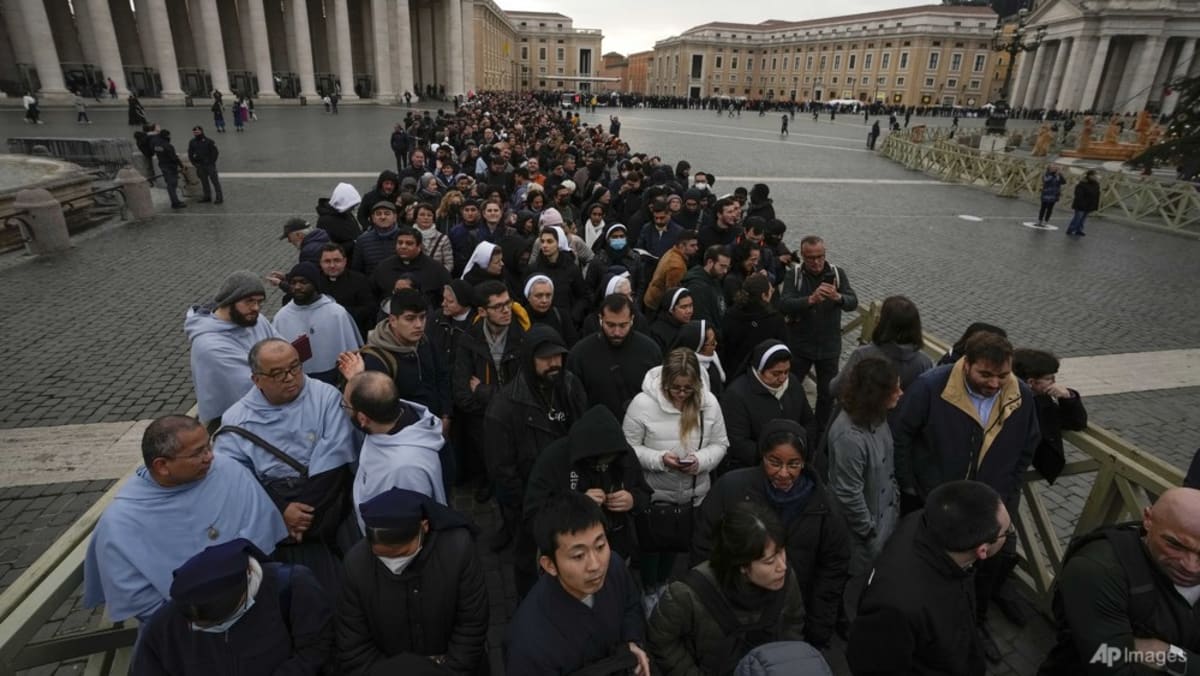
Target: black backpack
(1126, 542)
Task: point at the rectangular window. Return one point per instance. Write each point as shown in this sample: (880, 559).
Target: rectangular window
(903, 60)
(719, 60)
(808, 62)
(951, 84)
(559, 71)
(524, 53)
(851, 61)
(899, 82)
(881, 81)
(928, 82)
(541, 53)
(697, 65)
(933, 60)
(823, 62)
(974, 85)
(733, 78)
(774, 63)
(885, 61)
(980, 63)
(867, 61)
(733, 63)
(837, 62)
(955, 63)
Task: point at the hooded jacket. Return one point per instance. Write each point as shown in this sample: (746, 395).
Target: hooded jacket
(334, 216)
(406, 458)
(707, 296)
(760, 205)
(938, 435)
(524, 417)
(218, 356)
(652, 427)
(378, 195)
(420, 373)
(594, 454)
(817, 541)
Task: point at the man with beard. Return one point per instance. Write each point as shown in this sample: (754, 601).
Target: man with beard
(662, 236)
(221, 335)
(535, 408)
(317, 321)
(724, 230)
(378, 242)
(691, 215)
(427, 275)
(289, 431)
(387, 188)
(612, 362)
(971, 419)
(403, 440)
(350, 288)
(485, 360)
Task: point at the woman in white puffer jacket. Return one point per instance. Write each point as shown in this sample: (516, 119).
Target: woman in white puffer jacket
(676, 427)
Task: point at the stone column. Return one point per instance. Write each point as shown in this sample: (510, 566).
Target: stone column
(22, 50)
(159, 27)
(383, 52)
(62, 27)
(1083, 50)
(468, 12)
(1035, 78)
(45, 56)
(1054, 91)
(214, 46)
(191, 47)
(262, 48)
(145, 33)
(345, 61)
(404, 62)
(104, 34)
(1143, 78)
(1092, 85)
(304, 57)
(1187, 54)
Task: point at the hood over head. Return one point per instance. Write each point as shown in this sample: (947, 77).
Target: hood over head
(388, 175)
(344, 197)
(597, 433)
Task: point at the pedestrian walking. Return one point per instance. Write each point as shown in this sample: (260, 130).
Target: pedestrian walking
(333, 101)
(239, 113)
(218, 111)
(1052, 183)
(202, 152)
(873, 136)
(137, 114)
(112, 89)
(33, 114)
(169, 165)
(783, 129)
(81, 115)
(816, 114)
(1087, 200)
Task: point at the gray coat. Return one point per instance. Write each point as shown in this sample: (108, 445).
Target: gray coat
(862, 478)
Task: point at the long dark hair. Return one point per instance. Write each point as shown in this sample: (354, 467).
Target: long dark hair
(866, 389)
(741, 537)
(899, 323)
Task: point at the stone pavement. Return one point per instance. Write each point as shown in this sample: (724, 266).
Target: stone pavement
(95, 337)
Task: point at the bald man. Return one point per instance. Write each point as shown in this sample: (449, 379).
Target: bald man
(1126, 598)
(403, 441)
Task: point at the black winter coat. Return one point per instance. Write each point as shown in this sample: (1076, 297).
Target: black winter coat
(371, 248)
(421, 376)
(818, 543)
(1087, 196)
(473, 358)
(377, 195)
(743, 328)
(748, 406)
(664, 330)
(353, 291)
(389, 624)
(570, 292)
(557, 320)
(1054, 416)
(917, 615)
(613, 376)
(430, 276)
(814, 331)
(263, 641)
(340, 225)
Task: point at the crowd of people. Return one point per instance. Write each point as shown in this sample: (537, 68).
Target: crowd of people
(614, 354)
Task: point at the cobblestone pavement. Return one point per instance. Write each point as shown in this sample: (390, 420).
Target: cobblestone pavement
(96, 335)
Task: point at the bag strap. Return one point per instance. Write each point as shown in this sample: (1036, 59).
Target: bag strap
(388, 359)
(716, 605)
(279, 454)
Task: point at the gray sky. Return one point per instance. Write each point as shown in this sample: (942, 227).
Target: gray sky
(634, 25)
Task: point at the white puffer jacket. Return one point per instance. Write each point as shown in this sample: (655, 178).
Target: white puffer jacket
(652, 428)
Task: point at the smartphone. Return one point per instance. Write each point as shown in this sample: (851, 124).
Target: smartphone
(303, 347)
(687, 462)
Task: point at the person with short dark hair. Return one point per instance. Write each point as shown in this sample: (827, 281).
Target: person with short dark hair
(972, 419)
(612, 362)
(670, 270)
(378, 242)
(744, 596)
(815, 535)
(1058, 408)
(412, 264)
(234, 611)
(956, 350)
(350, 288)
(916, 613)
(862, 472)
(413, 599)
(658, 239)
(584, 611)
(750, 320)
(202, 153)
(705, 283)
(1087, 200)
(725, 228)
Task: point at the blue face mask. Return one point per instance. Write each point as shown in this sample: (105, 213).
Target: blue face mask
(617, 244)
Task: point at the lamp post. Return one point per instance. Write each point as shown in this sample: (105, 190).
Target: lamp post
(1017, 43)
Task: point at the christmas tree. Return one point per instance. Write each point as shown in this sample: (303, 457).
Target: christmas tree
(1181, 141)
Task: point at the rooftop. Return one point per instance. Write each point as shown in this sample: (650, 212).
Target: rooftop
(778, 24)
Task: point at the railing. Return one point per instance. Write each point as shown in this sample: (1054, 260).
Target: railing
(1144, 200)
(1126, 480)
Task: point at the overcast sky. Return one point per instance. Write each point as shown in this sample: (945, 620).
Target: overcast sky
(634, 25)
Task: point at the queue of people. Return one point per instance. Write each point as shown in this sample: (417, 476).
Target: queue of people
(673, 502)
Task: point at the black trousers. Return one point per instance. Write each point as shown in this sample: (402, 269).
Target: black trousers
(171, 177)
(1045, 211)
(209, 180)
(826, 369)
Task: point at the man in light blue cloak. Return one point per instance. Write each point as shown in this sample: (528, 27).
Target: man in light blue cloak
(221, 334)
(402, 444)
(182, 500)
(290, 432)
(317, 319)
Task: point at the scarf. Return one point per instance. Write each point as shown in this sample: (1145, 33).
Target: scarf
(707, 363)
(382, 337)
(776, 392)
(790, 503)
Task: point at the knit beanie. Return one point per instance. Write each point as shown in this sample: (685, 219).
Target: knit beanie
(239, 285)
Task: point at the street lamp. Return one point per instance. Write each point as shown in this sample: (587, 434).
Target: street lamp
(1017, 43)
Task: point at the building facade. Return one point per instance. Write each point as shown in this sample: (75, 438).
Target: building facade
(380, 49)
(553, 55)
(928, 55)
(614, 68)
(639, 72)
(1108, 55)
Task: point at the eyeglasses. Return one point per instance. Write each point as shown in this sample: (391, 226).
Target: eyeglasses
(791, 465)
(497, 307)
(282, 375)
(681, 389)
(199, 452)
(1008, 534)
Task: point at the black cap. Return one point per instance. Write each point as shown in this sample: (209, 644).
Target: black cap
(384, 204)
(549, 349)
(293, 225)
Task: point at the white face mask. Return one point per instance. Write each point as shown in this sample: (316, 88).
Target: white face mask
(397, 564)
